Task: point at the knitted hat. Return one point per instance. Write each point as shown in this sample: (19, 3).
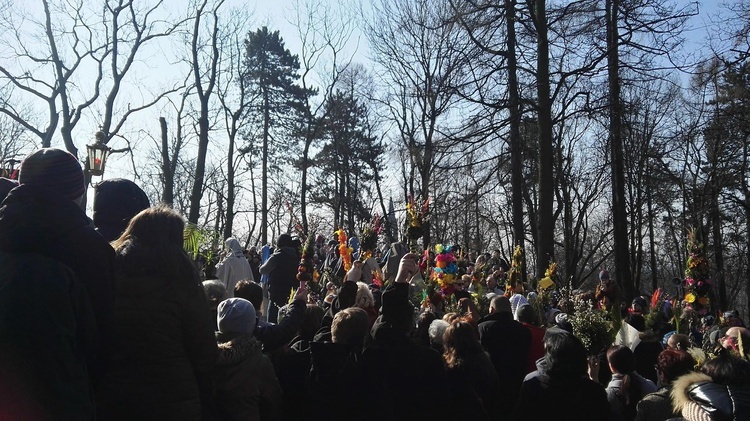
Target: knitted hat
(236, 315)
(603, 275)
(55, 169)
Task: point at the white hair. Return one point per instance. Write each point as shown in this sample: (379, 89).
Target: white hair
(364, 298)
(436, 331)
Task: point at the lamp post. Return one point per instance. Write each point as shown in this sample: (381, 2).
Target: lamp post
(98, 154)
(9, 169)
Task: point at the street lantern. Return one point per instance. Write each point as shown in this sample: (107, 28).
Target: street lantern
(98, 154)
(9, 169)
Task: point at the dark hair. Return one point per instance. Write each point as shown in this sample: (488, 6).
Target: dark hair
(251, 291)
(565, 355)
(215, 292)
(460, 341)
(728, 369)
(421, 333)
(621, 359)
(623, 362)
(673, 363)
(311, 321)
(152, 244)
(526, 314)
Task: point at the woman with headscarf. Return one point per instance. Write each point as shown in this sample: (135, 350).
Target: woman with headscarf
(234, 267)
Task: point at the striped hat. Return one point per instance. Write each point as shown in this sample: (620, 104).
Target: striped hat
(55, 169)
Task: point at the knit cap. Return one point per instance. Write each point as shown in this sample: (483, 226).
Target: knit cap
(236, 315)
(54, 169)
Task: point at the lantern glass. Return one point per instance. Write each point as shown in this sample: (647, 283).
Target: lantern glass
(98, 154)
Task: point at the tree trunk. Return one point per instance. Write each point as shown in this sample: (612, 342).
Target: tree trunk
(229, 224)
(545, 217)
(718, 248)
(651, 238)
(619, 211)
(200, 165)
(167, 195)
(516, 152)
(264, 170)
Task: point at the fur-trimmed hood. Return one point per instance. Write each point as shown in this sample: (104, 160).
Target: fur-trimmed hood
(239, 349)
(680, 388)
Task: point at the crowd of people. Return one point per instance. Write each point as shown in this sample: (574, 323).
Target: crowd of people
(110, 319)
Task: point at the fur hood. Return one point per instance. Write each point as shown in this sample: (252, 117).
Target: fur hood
(239, 349)
(680, 388)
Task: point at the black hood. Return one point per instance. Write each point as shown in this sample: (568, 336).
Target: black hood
(116, 201)
(33, 218)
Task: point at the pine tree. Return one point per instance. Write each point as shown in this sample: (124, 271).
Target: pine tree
(271, 74)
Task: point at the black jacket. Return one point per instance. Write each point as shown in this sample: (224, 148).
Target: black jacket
(47, 338)
(37, 220)
(165, 347)
(413, 374)
(281, 269)
(508, 342)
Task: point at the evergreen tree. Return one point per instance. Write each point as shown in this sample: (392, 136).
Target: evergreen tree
(271, 74)
(346, 161)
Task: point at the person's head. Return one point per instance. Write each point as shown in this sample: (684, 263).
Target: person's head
(526, 314)
(436, 331)
(350, 326)
(460, 341)
(311, 321)
(463, 282)
(215, 293)
(565, 355)
(155, 237)
(421, 333)
(679, 341)
(451, 317)
(604, 278)
(496, 254)
(673, 363)
(116, 201)
(364, 298)
(236, 316)
(284, 240)
(500, 304)
(732, 318)
(731, 340)
(233, 247)
(728, 369)
(251, 291)
(491, 282)
(55, 170)
(620, 359)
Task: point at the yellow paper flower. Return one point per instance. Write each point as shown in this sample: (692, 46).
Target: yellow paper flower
(690, 298)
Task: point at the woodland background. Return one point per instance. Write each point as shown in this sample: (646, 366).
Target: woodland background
(594, 133)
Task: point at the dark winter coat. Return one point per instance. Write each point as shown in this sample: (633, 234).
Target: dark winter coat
(34, 219)
(698, 397)
(572, 399)
(353, 383)
(164, 349)
(281, 269)
(246, 386)
(508, 343)
(412, 373)
(47, 337)
(274, 336)
(474, 387)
